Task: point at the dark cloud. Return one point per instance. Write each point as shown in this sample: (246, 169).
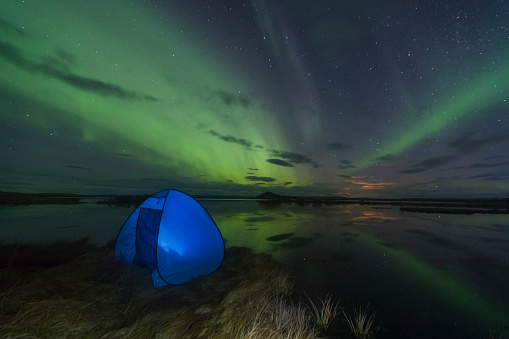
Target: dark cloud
(76, 167)
(165, 180)
(55, 68)
(338, 146)
(10, 28)
(233, 99)
(52, 65)
(288, 183)
(344, 176)
(490, 176)
(66, 57)
(487, 165)
(102, 88)
(497, 177)
(413, 170)
(280, 162)
(386, 158)
(427, 183)
(255, 178)
(468, 144)
(232, 139)
(429, 164)
(253, 169)
(493, 157)
(345, 164)
(294, 158)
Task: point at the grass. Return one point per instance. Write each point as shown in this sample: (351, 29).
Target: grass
(499, 333)
(77, 290)
(323, 311)
(361, 323)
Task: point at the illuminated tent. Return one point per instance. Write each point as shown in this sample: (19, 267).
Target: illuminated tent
(174, 236)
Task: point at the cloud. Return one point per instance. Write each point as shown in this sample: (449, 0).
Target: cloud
(55, 68)
(10, 28)
(486, 165)
(367, 183)
(493, 157)
(427, 183)
(232, 139)
(280, 162)
(293, 158)
(344, 176)
(255, 178)
(490, 176)
(338, 146)
(66, 57)
(428, 164)
(386, 158)
(467, 144)
(345, 164)
(76, 167)
(231, 99)
(288, 183)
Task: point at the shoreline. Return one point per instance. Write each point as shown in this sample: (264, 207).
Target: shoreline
(74, 289)
(443, 206)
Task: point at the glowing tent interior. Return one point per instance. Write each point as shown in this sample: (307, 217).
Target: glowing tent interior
(172, 234)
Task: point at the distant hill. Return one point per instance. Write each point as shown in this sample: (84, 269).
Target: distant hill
(270, 195)
(15, 198)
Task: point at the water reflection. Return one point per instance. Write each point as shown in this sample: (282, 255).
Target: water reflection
(417, 270)
(370, 216)
(424, 274)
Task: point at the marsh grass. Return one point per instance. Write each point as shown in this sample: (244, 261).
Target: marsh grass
(361, 323)
(73, 289)
(323, 310)
(500, 332)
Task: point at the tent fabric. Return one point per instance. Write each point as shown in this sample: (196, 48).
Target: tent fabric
(172, 234)
(147, 229)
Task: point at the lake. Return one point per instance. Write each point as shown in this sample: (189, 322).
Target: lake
(425, 275)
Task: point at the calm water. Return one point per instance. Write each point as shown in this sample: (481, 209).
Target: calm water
(425, 275)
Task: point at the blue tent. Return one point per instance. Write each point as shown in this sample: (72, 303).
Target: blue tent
(172, 234)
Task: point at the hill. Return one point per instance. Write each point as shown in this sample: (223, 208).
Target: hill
(270, 195)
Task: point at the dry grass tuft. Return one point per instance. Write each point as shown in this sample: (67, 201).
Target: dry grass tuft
(361, 323)
(323, 311)
(77, 290)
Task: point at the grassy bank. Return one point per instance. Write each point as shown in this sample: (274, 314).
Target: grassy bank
(77, 290)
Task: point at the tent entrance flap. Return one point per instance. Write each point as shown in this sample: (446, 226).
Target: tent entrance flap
(147, 230)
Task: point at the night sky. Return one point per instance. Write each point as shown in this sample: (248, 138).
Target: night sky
(387, 99)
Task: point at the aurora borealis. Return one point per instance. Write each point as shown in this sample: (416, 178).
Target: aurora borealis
(378, 99)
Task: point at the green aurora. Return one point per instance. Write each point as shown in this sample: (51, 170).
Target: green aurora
(191, 92)
(127, 97)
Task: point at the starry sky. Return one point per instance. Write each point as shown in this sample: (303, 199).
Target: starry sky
(382, 99)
